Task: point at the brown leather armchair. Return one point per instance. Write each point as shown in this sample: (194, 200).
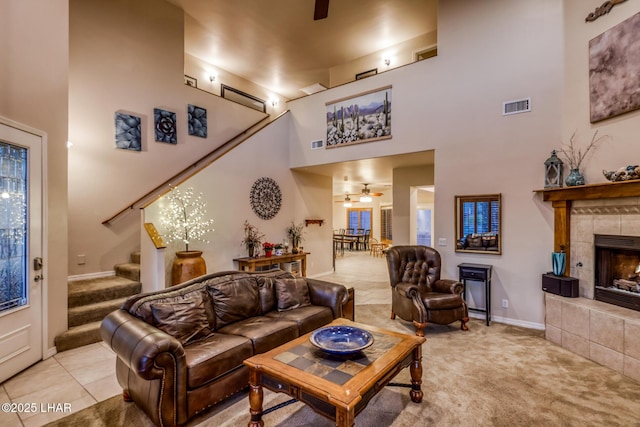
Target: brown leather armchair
(417, 292)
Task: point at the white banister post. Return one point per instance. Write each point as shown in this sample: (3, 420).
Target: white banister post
(152, 274)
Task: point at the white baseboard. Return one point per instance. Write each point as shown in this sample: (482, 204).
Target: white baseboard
(508, 321)
(51, 352)
(91, 276)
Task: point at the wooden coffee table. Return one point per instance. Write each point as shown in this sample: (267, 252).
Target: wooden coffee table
(337, 387)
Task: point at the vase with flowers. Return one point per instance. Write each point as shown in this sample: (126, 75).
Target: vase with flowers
(574, 157)
(252, 238)
(183, 219)
(268, 249)
(295, 233)
(278, 249)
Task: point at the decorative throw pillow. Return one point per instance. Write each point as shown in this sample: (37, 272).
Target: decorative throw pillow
(185, 319)
(234, 300)
(474, 242)
(292, 293)
(266, 286)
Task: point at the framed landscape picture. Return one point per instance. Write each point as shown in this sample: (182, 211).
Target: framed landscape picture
(364, 117)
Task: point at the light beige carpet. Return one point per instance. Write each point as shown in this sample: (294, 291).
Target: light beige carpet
(490, 376)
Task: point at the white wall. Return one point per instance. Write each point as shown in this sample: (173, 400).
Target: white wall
(128, 56)
(622, 150)
(488, 52)
(34, 54)
(226, 185)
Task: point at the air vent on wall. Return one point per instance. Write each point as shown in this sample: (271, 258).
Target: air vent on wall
(517, 106)
(315, 145)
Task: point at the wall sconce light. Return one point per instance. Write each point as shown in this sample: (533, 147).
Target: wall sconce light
(274, 102)
(387, 61)
(213, 77)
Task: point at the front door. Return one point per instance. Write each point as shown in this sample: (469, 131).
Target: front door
(20, 249)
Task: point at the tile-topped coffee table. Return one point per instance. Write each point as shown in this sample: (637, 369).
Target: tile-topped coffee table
(337, 387)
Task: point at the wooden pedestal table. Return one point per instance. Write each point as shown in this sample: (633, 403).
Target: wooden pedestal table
(334, 386)
(250, 264)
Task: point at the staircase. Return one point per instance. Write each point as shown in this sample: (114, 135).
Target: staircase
(92, 299)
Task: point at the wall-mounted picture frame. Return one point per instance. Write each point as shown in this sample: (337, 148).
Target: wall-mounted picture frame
(197, 120)
(165, 128)
(190, 81)
(364, 117)
(367, 73)
(128, 132)
(614, 66)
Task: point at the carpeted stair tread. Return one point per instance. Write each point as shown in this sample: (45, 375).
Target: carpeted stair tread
(129, 270)
(93, 312)
(78, 336)
(135, 257)
(105, 288)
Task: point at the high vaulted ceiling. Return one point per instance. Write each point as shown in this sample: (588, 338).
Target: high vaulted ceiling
(278, 45)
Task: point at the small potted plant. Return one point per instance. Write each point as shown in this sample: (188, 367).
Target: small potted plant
(252, 238)
(295, 233)
(278, 249)
(268, 249)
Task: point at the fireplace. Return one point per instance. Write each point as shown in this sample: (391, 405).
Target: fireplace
(617, 270)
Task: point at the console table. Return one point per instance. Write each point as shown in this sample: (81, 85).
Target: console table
(478, 273)
(250, 264)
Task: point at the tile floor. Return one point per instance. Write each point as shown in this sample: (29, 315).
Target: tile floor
(81, 377)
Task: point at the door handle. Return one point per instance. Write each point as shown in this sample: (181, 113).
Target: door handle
(38, 277)
(37, 263)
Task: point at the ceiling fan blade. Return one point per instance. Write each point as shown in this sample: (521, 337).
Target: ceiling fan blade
(376, 194)
(321, 10)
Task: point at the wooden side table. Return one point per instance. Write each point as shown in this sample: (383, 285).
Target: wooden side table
(250, 264)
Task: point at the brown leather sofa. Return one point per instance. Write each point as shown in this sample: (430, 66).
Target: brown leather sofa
(180, 350)
(418, 293)
(479, 242)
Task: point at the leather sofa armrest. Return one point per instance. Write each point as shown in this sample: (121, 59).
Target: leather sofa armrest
(448, 286)
(328, 294)
(145, 349)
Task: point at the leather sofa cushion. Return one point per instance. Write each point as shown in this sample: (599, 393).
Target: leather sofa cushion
(292, 293)
(266, 289)
(440, 301)
(307, 318)
(474, 242)
(211, 358)
(489, 241)
(235, 300)
(264, 332)
(185, 319)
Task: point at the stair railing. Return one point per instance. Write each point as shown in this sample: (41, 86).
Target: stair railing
(192, 169)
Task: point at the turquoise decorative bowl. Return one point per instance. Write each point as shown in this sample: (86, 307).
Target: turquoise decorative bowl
(341, 339)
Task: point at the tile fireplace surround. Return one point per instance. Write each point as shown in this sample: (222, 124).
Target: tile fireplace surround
(602, 332)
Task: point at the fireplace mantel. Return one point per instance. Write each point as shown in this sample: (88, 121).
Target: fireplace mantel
(561, 199)
(603, 190)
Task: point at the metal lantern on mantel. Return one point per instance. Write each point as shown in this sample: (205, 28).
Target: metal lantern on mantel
(553, 171)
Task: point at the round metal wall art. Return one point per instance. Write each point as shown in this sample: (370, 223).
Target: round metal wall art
(265, 198)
